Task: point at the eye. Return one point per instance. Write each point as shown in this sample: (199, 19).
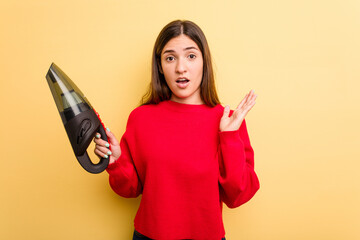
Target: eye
(192, 56)
(170, 58)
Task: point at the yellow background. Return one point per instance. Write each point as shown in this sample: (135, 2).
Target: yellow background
(301, 57)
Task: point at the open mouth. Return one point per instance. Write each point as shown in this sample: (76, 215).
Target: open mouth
(182, 83)
(182, 80)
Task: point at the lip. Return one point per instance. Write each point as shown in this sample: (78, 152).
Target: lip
(182, 78)
(182, 84)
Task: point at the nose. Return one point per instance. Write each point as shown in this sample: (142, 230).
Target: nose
(180, 66)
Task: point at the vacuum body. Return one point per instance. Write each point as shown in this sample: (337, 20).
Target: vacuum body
(80, 120)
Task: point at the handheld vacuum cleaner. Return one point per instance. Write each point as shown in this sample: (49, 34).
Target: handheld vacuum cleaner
(80, 120)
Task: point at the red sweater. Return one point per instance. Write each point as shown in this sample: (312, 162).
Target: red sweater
(184, 167)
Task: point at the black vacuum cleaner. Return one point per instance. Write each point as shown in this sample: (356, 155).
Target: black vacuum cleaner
(80, 120)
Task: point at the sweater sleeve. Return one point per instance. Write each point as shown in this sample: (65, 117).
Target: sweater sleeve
(238, 180)
(123, 177)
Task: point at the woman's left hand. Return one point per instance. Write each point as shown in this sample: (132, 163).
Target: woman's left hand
(233, 123)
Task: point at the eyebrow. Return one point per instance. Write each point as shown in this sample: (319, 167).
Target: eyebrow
(185, 49)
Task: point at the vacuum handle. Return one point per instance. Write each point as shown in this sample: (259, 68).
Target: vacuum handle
(87, 164)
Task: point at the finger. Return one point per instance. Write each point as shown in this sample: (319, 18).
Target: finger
(97, 136)
(102, 145)
(242, 102)
(101, 153)
(105, 150)
(243, 112)
(245, 100)
(248, 103)
(101, 142)
(226, 111)
(251, 98)
(250, 95)
(249, 107)
(111, 137)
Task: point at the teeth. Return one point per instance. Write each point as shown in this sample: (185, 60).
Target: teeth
(182, 80)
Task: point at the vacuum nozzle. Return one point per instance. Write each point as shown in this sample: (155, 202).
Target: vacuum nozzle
(80, 120)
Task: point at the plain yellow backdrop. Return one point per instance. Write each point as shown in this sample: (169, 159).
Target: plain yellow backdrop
(302, 58)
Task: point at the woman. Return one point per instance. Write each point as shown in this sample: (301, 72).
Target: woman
(182, 150)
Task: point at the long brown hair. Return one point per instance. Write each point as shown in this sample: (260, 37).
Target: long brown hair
(158, 89)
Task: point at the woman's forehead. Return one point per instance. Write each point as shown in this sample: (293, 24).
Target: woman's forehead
(179, 44)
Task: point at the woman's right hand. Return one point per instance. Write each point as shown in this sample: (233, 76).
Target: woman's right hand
(101, 146)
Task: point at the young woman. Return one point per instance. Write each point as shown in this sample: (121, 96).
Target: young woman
(184, 152)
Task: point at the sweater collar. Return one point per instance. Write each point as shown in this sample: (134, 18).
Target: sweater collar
(182, 107)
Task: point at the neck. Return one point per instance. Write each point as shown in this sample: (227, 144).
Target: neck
(188, 100)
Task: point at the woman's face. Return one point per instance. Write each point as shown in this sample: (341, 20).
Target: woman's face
(182, 66)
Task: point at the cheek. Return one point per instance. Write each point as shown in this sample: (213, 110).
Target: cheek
(166, 70)
(199, 70)
(167, 77)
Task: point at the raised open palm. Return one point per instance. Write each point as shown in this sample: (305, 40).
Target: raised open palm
(234, 122)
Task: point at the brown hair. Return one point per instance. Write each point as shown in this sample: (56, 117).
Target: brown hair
(159, 90)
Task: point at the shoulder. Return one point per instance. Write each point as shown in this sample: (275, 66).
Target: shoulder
(146, 109)
(142, 112)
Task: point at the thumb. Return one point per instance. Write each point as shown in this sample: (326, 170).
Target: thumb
(111, 137)
(226, 111)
